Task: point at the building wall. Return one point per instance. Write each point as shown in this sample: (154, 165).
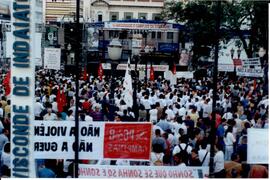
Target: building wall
(122, 8)
(57, 9)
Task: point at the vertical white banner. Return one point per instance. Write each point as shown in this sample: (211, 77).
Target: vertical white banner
(22, 88)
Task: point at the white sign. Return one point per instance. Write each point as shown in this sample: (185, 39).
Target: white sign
(226, 67)
(143, 26)
(249, 72)
(149, 172)
(54, 139)
(52, 58)
(185, 74)
(250, 68)
(251, 62)
(257, 146)
(161, 68)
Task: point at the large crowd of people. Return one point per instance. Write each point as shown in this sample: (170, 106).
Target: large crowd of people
(181, 115)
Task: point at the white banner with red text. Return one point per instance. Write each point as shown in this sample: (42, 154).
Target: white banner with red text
(97, 140)
(102, 171)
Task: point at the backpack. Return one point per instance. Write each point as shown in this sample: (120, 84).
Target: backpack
(159, 161)
(185, 155)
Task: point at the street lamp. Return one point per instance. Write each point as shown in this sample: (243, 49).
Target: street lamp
(114, 52)
(239, 52)
(232, 53)
(135, 53)
(147, 51)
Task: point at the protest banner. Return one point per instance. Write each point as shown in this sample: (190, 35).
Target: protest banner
(55, 139)
(97, 140)
(127, 141)
(52, 58)
(250, 68)
(225, 67)
(99, 171)
(257, 138)
(249, 72)
(185, 74)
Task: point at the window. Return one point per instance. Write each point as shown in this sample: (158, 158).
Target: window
(153, 35)
(142, 16)
(113, 34)
(158, 35)
(128, 15)
(100, 18)
(156, 17)
(114, 16)
(169, 35)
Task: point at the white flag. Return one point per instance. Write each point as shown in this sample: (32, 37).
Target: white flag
(128, 92)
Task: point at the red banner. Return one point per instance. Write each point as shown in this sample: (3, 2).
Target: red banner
(127, 141)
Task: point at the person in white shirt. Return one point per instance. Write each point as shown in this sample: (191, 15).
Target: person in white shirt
(206, 109)
(70, 116)
(204, 155)
(54, 106)
(38, 108)
(219, 171)
(183, 143)
(50, 116)
(153, 114)
(170, 113)
(229, 141)
(182, 112)
(1, 111)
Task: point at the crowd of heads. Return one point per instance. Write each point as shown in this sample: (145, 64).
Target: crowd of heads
(181, 115)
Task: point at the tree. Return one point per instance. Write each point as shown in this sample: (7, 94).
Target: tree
(199, 18)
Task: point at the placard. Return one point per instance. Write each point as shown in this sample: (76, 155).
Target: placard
(55, 139)
(149, 172)
(52, 58)
(257, 146)
(127, 141)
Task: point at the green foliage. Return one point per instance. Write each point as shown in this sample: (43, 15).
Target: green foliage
(199, 18)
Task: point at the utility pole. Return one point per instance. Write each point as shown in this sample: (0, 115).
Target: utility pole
(213, 121)
(77, 58)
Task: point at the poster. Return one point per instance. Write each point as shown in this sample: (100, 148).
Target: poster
(184, 58)
(257, 138)
(119, 172)
(226, 67)
(52, 58)
(97, 140)
(93, 36)
(127, 141)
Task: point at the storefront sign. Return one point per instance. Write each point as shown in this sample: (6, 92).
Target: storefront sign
(143, 26)
(143, 172)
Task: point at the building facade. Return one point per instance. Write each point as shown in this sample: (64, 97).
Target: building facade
(58, 10)
(112, 10)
